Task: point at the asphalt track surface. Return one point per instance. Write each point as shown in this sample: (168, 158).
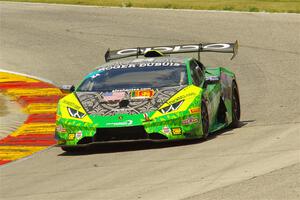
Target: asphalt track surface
(260, 160)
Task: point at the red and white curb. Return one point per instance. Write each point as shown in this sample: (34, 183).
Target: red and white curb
(38, 99)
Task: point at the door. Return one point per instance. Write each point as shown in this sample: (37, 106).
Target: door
(211, 92)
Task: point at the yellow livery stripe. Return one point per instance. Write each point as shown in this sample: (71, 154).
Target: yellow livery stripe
(187, 94)
(72, 102)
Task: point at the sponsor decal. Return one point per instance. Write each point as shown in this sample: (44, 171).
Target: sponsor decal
(178, 48)
(190, 120)
(216, 46)
(78, 135)
(60, 129)
(166, 130)
(140, 65)
(75, 113)
(176, 131)
(126, 123)
(195, 110)
(71, 136)
(130, 90)
(171, 108)
(71, 104)
(96, 75)
(113, 96)
(212, 78)
(181, 97)
(146, 116)
(142, 94)
(61, 142)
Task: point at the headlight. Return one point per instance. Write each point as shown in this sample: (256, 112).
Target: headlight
(171, 108)
(75, 113)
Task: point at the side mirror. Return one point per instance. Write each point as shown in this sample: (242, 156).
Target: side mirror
(67, 88)
(211, 80)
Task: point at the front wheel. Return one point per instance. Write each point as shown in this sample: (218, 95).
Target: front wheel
(205, 119)
(236, 110)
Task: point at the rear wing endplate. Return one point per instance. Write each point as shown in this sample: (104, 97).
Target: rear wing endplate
(173, 49)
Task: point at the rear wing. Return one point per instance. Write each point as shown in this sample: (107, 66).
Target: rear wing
(173, 49)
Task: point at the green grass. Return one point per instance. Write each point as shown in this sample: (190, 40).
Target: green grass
(242, 5)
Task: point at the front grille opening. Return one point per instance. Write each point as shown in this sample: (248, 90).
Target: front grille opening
(157, 136)
(124, 133)
(85, 140)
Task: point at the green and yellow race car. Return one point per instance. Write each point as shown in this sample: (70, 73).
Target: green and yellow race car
(153, 96)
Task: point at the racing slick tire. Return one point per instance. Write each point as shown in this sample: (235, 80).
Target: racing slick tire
(204, 119)
(236, 110)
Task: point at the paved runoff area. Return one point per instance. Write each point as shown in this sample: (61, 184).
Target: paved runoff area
(259, 160)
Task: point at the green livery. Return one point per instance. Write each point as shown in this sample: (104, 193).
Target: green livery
(154, 98)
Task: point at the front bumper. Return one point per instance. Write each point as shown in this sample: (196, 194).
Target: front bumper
(174, 127)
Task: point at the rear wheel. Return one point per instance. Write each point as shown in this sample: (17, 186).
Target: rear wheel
(205, 119)
(236, 111)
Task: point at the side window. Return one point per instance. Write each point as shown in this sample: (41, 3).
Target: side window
(194, 74)
(197, 72)
(201, 66)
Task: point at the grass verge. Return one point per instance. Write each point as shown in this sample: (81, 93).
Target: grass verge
(290, 6)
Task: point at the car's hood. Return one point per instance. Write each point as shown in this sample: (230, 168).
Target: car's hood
(97, 103)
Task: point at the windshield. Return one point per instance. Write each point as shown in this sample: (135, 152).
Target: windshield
(130, 77)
